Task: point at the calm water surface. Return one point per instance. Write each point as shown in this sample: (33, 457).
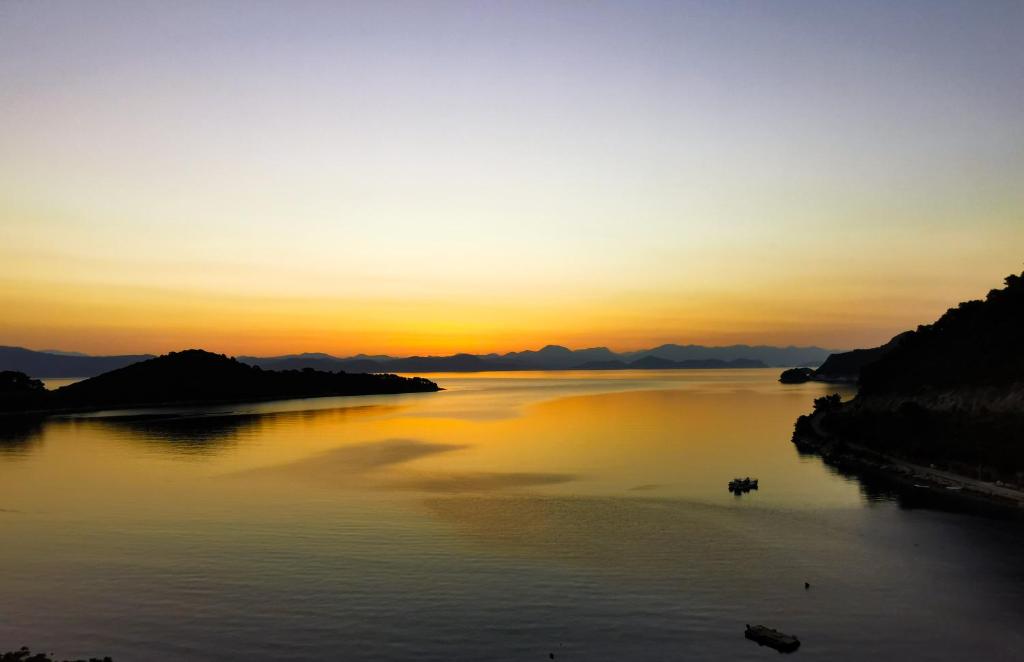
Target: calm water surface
(508, 517)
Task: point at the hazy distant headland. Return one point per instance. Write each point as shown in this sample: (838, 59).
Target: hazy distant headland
(948, 396)
(552, 357)
(193, 377)
(841, 367)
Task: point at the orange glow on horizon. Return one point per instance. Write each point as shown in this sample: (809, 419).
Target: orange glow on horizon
(125, 319)
(273, 185)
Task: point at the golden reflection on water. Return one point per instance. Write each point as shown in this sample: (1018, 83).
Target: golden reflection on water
(508, 514)
(669, 442)
(665, 435)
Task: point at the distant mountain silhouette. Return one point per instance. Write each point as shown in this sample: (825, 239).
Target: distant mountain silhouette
(325, 363)
(556, 357)
(949, 394)
(64, 364)
(658, 363)
(652, 363)
(454, 363)
(613, 364)
(196, 377)
(770, 356)
(550, 357)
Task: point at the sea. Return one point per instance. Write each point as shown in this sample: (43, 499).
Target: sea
(566, 515)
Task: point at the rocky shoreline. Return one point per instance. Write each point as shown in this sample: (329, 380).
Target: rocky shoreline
(855, 459)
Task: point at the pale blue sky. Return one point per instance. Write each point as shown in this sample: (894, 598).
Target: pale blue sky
(656, 168)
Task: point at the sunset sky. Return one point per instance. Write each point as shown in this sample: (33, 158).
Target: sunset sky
(429, 177)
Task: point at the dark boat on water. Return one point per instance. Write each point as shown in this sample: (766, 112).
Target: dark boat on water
(765, 636)
(742, 485)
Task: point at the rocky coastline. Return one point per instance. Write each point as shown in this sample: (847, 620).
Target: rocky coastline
(941, 408)
(924, 481)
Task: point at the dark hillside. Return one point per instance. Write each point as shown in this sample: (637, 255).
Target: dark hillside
(19, 392)
(195, 377)
(976, 344)
(949, 395)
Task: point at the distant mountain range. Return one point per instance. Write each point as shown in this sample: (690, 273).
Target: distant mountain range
(556, 357)
(552, 357)
(63, 364)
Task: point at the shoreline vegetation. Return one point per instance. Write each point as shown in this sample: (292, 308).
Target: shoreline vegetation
(192, 377)
(24, 654)
(940, 409)
(852, 458)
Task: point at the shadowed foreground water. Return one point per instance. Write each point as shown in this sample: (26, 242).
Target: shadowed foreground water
(509, 517)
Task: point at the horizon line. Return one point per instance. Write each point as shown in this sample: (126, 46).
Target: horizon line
(57, 351)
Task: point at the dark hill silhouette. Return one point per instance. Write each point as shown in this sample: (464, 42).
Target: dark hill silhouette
(796, 375)
(20, 392)
(326, 363)
(841, 367)
(196, 376)
(949, 394)
(846, 366)
(977, 344)
(315, 361)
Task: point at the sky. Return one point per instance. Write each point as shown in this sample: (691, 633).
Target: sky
(429, 177)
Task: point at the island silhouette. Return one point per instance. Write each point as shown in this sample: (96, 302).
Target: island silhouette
(194, 376)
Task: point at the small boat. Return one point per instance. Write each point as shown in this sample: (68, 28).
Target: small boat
(765, 636)
(742, 485)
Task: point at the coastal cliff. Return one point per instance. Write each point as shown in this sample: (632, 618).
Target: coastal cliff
(948, 396)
